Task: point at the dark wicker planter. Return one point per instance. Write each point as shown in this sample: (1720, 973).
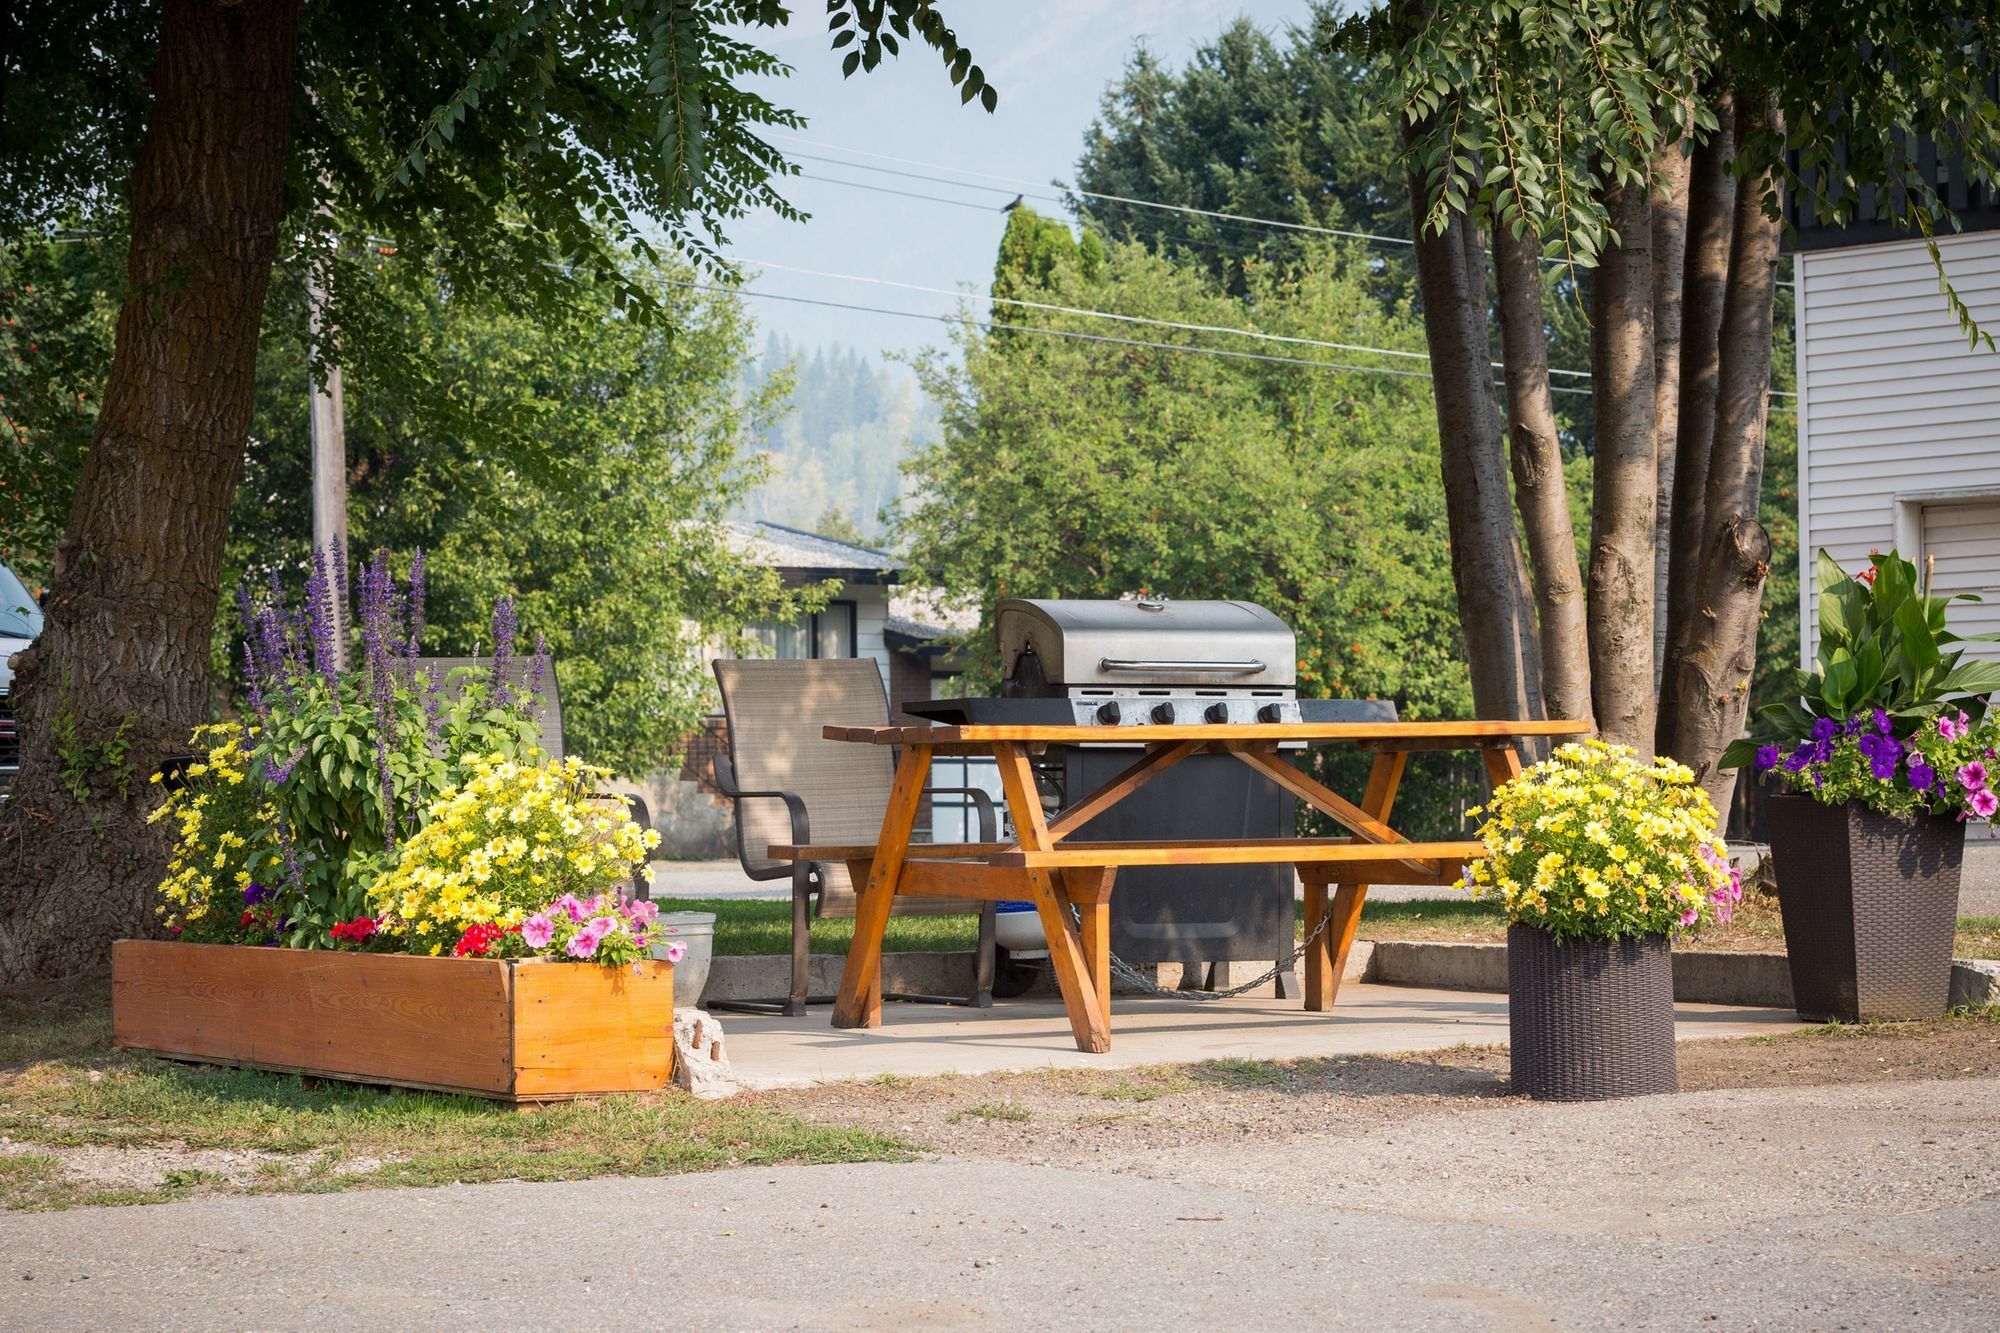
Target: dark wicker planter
(1590, 1019)
(1871, 905)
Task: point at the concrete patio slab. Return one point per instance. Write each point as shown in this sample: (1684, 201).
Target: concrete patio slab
(920, 1040)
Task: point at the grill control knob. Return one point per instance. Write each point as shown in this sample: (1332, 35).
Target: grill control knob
(1109, 713)
(1216, 712)
(1163, 714)
(1271, 713)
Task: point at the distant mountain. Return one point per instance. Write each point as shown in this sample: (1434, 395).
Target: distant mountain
(852, 420)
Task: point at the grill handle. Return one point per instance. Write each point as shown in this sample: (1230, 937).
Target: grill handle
(1158, 666)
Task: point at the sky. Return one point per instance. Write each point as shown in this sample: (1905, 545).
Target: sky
(1050, 60)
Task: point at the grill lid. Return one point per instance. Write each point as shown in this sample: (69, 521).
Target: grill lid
(1151, 641)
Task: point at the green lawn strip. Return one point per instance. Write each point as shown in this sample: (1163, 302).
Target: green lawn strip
(764, 926)
(324, 1135)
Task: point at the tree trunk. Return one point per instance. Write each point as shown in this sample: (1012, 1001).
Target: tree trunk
(1540, 488)
(1711, 227)
(1625, 476)
(121, 668)
(1713, 665)
(1488, 573)
(1671, 169)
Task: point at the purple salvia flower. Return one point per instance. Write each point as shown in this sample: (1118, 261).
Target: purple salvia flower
(319, 620)
(538, 670)
(504, 627)
(378, 641)
(336, 560)
(253, 687)
(416, 604)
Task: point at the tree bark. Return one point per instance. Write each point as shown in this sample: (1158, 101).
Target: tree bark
(1540, 488)
(1711, 228)
(1713, 664)
(1488, 573)
(1625, 476)
(121, 667)
(1671, 169)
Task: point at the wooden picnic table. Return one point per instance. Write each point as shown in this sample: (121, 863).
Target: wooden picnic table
(1046, 866)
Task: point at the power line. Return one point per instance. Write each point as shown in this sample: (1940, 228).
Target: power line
(907, 194)
(1234, 219)
(1126, 319)
(1067, 333)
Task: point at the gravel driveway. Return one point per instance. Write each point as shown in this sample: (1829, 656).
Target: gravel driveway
(1865, 1205)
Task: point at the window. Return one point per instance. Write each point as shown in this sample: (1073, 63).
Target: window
(827, 633)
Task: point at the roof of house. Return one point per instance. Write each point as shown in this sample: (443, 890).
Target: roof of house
(794, 551)
(918, 619)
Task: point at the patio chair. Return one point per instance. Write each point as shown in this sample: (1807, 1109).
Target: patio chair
(791, 785)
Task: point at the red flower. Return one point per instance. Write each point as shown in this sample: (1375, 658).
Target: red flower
(1866, 576)
(477, 939)
(248, 917)
(356, 931)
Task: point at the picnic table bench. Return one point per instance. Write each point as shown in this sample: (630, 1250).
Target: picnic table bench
(1061, 876)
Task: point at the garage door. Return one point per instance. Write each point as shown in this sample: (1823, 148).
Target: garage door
(1964, 539)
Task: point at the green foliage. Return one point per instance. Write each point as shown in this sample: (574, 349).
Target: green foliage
(1520, 110)
(1250, 127)
(1883, 644)
(92, 762)
(58, 302)
(1076, 470)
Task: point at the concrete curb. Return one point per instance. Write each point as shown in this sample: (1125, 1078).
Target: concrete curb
(1759, 980)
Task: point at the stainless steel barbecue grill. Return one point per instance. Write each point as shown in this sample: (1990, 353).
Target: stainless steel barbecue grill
(1151, 661)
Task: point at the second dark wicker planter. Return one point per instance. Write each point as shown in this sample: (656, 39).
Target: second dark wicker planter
(1871, 906)
(1590, 1019)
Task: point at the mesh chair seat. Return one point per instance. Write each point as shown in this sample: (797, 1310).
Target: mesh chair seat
(776, 710)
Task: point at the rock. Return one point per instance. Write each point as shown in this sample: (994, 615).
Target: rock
(1975, 982)
(701, 1065)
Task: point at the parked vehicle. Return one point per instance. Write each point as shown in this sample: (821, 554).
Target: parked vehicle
(20, 622)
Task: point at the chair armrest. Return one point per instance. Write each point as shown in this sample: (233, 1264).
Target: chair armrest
(989, 823)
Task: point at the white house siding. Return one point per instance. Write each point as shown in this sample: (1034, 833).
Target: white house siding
(871, 617)
(1899, 421)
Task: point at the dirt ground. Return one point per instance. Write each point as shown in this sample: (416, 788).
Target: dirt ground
(1115, 1116)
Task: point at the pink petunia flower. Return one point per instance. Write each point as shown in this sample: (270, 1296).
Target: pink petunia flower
(569, 904)
(1984, 803)
(1972, 775)
(538, 930)
(642, 913)
(583, 944)
(1952, 729)
(676, 951)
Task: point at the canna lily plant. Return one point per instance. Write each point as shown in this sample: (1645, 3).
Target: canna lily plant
(1893, 685)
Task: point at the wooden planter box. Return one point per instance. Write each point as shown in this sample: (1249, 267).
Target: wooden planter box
(522, 1031)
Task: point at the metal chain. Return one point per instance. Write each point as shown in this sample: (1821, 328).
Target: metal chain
(1139, 981)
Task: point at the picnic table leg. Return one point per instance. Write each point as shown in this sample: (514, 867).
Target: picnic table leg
(1080, 997)
(1384, 776)
(859, 1004)
(1502, 765)
(857, 875)
(1320, 984)
(1089, 890)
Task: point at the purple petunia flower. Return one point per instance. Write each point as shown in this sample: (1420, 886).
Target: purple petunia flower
(1767, 758)
(1799, 757)
(1882, 723)
(254, 893)
(1922, 776)
(1824, 729)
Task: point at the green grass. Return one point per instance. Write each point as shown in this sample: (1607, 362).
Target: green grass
(764, 927)
(324, 1135)
(759, 926)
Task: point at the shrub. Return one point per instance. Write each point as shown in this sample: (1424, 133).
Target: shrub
(1593, 842)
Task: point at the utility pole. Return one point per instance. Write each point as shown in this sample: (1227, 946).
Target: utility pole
(329, 457)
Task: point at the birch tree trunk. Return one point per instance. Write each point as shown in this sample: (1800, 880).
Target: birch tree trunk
(1626, 477)
(121, 667)
(1488, 573)
(1671, 169)
(1713, 665)
(1540, 488)
(1711, 229)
